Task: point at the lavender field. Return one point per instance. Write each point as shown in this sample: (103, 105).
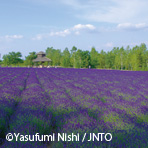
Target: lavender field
(58, 100)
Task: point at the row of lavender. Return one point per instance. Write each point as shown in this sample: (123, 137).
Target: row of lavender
(127, 87)
(114, 90)
(7, 75)
(75, 101)
(10, 96)
(69, 116)
(23, 109)
(100, 94)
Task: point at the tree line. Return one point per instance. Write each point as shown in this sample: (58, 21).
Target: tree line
(135, 58)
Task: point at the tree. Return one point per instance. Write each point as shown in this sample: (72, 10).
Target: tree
(109, 59)
(122, 57)
(85, 61)
(1, 62)
(127, 60)
(142, 56)
(101, 58)
(49, 53)
(117, 55)
(73, 56)
(29, 58)
(79, 58)
(146, 60)
(54, 55)
(6, 60)
(13, 58)
(94, 58)
(135, 58)
(65, 59)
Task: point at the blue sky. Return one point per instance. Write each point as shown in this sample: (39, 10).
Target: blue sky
(34, 25)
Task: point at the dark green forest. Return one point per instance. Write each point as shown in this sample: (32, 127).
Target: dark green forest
(135, 58)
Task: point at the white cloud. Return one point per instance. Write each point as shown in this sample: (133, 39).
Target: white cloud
(61, 33)
(38, 37)
(130, 26)
(77, 33)
(10, 37)
(80, 26)
(57, 33)
(13, 37)
(111, 11)
(73, 30)
(109, 44)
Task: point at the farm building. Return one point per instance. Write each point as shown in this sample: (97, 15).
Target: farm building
(41, 57)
